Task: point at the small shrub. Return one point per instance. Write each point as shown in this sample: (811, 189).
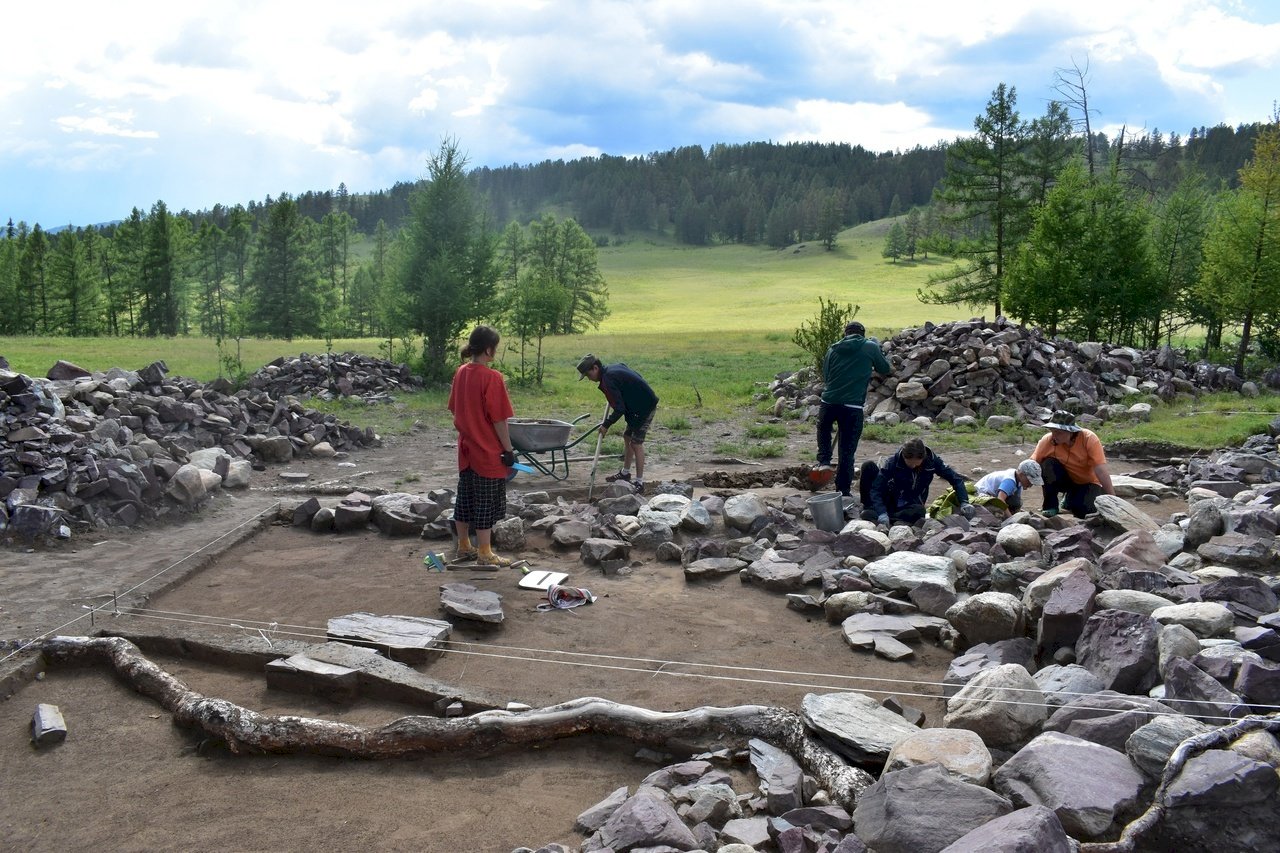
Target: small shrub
(728, 448)
(677, 423)
(766, 431)
(766, 450)
(817, 335)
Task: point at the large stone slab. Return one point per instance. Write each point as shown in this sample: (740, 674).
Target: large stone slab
(854, 725)
(407, 639)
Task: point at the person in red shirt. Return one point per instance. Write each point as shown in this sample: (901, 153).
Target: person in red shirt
(1073, 465)
(480, 405)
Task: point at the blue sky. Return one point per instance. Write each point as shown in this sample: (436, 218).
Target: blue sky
(109, 106)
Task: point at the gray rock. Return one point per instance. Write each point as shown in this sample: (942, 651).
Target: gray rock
(1019, 540)
(773, 572)
(466, 602)
(1175, 641)
(695, 518)
(781, 779)
(1222, 778)
(854, 725)
(922, 809)
(988, 617)
(1034, 829)
(188, 487)
(1120, 648)
(1151, 745)
(960, 752)
(713, 567)
(1204, 618)
(1063, 684)
(1239, 551)
(742, 511)
(904, 570)
(1106, 718)
(596, 551)
(570, 534)
(1120, 513)
(1084, 784)
(594, 818)
(1131, 600)
(1191, 691)
(646, 821)
(751, 831)
(1258, 682)
(1003, 705)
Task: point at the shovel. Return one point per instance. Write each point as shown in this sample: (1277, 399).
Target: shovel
(820, 477)
(595, 462)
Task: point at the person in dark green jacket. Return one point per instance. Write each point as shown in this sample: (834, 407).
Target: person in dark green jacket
(846, 372)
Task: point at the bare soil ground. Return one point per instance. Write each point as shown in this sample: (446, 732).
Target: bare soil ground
(126, 779)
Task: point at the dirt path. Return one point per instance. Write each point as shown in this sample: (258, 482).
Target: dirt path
(168, 790)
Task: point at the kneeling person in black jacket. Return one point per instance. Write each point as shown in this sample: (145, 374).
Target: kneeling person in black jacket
(899, 489)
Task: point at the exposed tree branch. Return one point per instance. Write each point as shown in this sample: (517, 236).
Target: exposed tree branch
(247, 731)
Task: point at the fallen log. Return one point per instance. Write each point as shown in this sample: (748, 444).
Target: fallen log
(247, 731)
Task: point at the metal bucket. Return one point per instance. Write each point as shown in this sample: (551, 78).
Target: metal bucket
(828, 511)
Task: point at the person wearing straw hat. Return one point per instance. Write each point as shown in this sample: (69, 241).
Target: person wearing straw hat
(1073, 464)
(629, 397)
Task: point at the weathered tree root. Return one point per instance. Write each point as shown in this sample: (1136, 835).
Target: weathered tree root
(1186, 750)
(246, 731)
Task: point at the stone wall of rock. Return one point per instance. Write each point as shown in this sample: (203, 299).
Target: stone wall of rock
(82, 450)
(1087, 651)
(977, 369)
(332, 375)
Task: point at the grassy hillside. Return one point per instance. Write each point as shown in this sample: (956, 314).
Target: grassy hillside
(668, 288)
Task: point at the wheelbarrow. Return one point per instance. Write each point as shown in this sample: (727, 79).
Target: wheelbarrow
(544, 443)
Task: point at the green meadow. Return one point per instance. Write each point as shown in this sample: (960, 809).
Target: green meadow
(708, 321)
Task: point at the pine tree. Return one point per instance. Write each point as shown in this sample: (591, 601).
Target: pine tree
(985, 186)
(448, 274)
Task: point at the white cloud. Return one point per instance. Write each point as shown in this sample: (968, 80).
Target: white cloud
(104, 124)
(365, 93)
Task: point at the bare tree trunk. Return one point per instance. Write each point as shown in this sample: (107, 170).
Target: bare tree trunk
(247, 731)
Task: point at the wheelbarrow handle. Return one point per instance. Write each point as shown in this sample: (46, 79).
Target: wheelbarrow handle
(580, 417)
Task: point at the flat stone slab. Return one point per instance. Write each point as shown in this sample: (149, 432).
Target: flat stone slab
(47, 725)
(466, 602)
(301, 674)
(407, 639)
(379, 678)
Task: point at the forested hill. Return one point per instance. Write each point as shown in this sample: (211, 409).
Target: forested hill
(760, 192)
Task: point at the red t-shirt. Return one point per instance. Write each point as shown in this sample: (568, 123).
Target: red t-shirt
(478, 399)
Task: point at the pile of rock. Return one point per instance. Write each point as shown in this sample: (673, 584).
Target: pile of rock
(112, 448)
(330, 376)
(1087, 652)
(977, 369)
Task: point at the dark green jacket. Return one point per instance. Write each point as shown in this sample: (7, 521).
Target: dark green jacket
(847, 367)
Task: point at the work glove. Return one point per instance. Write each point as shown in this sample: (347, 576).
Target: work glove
(883, 519)
(967, 511)
(508, 458)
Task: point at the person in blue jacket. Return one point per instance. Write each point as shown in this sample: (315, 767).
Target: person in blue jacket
(846, 371)
(630, 398)
(899, 489)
